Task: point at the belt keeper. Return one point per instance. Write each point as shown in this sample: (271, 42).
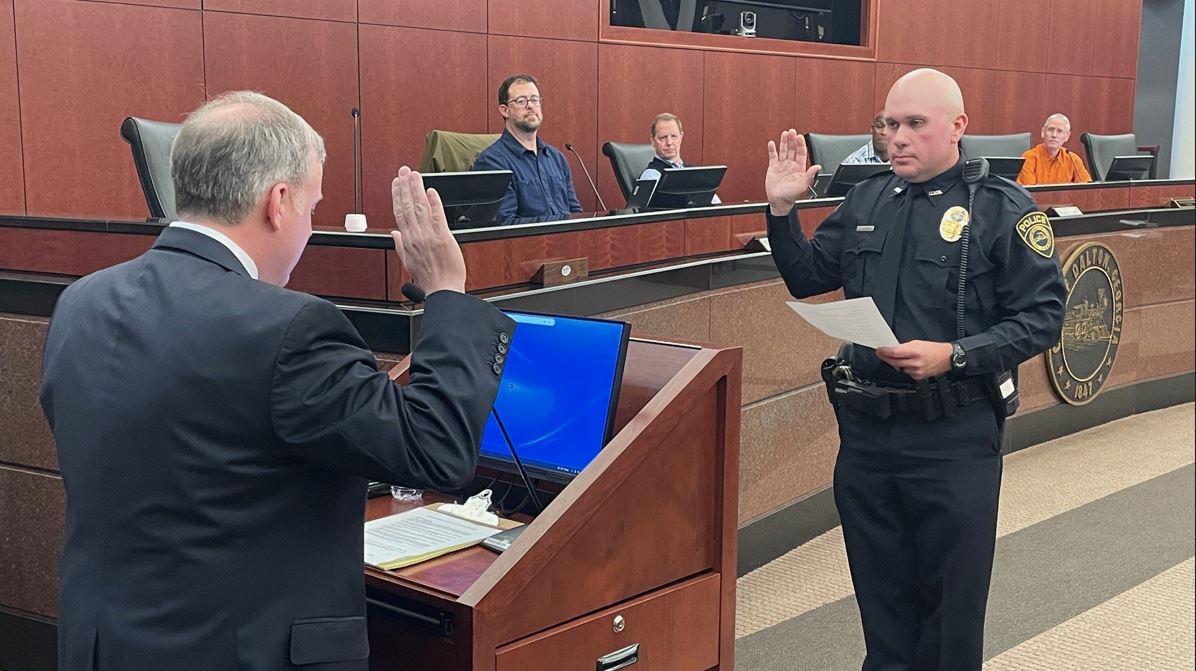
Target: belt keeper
(927, 399)
(946, 395)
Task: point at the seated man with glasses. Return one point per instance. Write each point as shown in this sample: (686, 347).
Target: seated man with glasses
(876, 151)
(1050, 162)
(542, 187)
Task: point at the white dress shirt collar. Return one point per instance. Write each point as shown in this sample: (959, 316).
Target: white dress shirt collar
(246, 261)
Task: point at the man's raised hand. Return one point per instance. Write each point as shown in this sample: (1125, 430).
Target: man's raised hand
(423, 241)
(788, 179)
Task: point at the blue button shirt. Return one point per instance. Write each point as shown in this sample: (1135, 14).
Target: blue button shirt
(541, 187)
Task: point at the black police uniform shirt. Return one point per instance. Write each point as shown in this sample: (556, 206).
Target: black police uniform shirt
(1015, 295)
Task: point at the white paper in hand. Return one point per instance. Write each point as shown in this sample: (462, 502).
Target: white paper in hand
(855, 320)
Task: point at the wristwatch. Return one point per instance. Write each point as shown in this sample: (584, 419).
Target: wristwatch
(959, 357)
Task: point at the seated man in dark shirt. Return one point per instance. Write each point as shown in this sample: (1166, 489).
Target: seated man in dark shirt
(542, 187)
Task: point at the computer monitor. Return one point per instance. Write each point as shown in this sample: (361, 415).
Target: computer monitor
(641, 193)
(849, 173)
(1008, 167)
(686, 187)
(558, 394)
(1129, 167)
(471, 199)
(818, 188)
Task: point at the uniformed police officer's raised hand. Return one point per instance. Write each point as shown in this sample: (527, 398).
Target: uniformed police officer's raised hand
(426, 246)
(788, 179)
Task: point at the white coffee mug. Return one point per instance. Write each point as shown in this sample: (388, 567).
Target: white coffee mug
(355, 223)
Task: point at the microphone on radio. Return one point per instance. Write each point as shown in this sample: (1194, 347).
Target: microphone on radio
(413, 293)
(587, 173)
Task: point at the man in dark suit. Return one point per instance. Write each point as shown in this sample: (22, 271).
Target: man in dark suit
(666, 136)
(215, 431)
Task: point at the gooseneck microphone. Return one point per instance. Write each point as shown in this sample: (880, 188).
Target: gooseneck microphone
(356, 159)
(587, 173)
(413, 293)
(527, 482)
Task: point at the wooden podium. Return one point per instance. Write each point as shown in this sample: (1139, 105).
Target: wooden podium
(632, 566)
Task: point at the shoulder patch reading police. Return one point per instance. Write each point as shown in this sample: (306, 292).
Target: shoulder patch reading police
(1080, 363)
(1036, 232)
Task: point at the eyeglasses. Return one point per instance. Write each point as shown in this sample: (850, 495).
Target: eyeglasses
(523, 101)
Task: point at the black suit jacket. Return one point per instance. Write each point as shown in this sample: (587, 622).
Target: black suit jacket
(215, 434)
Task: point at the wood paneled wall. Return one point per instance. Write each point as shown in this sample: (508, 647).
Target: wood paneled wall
(71, 70)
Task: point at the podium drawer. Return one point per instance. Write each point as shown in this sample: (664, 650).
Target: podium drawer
(674, 629)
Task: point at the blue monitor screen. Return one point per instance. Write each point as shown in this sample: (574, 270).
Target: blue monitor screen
(558, 393)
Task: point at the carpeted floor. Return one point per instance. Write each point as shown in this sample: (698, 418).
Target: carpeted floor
(1094, 564)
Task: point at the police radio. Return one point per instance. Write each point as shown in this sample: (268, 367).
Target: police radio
(1002, 386)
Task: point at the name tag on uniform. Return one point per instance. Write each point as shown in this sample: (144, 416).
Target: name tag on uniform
(864, 229)
(936, 192)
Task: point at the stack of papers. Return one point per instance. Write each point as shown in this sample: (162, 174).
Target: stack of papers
(419, 534)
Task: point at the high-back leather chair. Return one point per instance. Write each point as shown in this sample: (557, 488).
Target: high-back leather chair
(1101, 150)
(150, 142)
(447, 151)
(628, 161)
(830, 150)
(983, 146)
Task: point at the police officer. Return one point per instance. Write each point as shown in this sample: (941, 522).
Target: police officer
(920, 424)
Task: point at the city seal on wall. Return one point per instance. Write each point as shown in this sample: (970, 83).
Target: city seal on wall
(1080, 363)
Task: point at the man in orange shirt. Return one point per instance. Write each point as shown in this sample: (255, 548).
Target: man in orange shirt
(1050, 162)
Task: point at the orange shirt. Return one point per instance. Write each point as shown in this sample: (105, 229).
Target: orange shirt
(1040, 168)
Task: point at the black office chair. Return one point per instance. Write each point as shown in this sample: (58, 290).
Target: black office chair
(830, 150)
(984, 146)
(150, 142)
(1101, 150)
(628, 161)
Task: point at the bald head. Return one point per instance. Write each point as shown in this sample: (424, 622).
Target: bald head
(925, 119)
(931, 88)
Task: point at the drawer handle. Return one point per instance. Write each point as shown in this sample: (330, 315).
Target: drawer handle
(619, 659)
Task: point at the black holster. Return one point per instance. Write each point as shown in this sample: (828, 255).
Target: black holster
(835, 370)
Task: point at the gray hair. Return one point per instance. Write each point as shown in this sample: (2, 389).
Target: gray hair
(1062, 117)
(232, 149)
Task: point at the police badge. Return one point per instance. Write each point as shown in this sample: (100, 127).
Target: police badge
(951, 227)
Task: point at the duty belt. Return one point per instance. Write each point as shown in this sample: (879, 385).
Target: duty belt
(930, 399)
